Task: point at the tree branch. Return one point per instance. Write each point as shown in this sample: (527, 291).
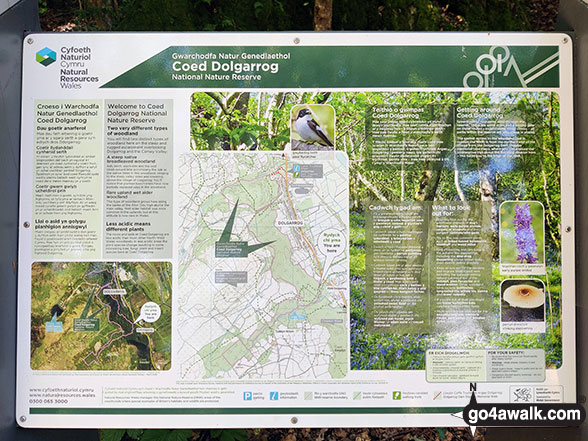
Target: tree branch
(219, 100)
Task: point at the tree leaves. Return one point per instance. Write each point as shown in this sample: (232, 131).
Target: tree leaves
(134, 433)
(229, 434)
(166, 435)
(112, 434)
(179, 435)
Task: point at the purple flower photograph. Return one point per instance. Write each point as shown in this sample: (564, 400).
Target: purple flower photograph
(521, 232)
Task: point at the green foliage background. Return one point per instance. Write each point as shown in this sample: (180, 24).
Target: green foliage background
(284, 15)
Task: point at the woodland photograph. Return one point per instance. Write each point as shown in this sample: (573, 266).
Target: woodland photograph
(517, 158)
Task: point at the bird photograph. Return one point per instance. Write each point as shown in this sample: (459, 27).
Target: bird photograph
(313, 127)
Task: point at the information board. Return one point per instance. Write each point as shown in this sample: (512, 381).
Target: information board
(255, 230)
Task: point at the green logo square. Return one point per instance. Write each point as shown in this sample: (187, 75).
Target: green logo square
(46, 56)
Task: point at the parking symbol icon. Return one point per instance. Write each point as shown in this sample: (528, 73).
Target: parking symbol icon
(247, 396)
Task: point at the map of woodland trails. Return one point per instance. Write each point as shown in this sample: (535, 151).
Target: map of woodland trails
(87, 316)
(263, 274)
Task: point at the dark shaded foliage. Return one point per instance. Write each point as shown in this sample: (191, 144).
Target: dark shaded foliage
(292, 15)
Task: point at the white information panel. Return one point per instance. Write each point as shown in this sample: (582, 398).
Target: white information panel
(262, 230)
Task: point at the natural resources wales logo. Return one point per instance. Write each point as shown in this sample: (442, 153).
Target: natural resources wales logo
(46, 56)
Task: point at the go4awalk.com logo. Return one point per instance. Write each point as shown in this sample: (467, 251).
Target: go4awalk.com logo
(46, 56)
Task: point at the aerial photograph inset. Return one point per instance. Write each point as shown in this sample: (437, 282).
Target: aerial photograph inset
(101, 315)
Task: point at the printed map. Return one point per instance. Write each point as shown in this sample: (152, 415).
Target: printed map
(91, 316)
(263, 277)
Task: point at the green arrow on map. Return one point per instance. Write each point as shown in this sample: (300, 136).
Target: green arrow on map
(227, 248)
(96, 313)
(87, 307)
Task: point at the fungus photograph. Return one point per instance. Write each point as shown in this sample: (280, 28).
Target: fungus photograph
(522, 302)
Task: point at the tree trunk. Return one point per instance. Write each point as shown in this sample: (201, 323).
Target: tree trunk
(371, 187)
(488, 194)
(275, 103)
(550, 215)
(429, 182)
(455, 167)
(241, 102)
(323, 15)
